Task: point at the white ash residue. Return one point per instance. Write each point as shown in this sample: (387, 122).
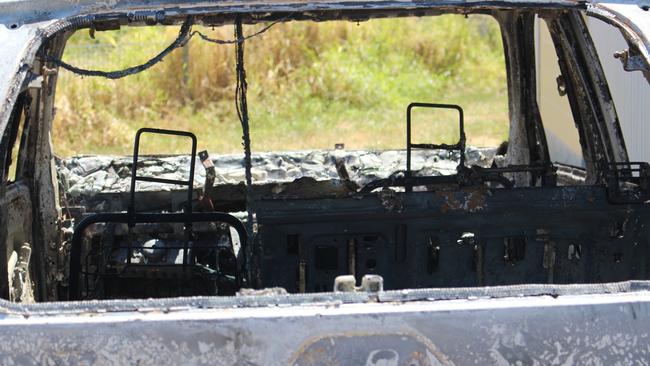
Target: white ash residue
(87, 175)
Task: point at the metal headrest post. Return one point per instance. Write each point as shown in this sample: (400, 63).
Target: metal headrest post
(460, 145)
(189, 183)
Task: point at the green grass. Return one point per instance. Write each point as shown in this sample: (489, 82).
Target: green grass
(311, 85)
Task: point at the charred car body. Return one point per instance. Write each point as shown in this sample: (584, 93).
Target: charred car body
(415, 237)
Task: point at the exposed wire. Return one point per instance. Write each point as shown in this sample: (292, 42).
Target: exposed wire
(242, 112)
(238, 39)
(184, 36)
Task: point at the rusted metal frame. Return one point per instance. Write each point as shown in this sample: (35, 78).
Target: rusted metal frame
(589, 97)
(30, 165)
(589, 145)
(6, 141)
(518, 145)
(41, 176)
(537, 145)
(466, 177)
(22, 150)
(14, 126)
(608, 122)
(156, 11)
(527, 142)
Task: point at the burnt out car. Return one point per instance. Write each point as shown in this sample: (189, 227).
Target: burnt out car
(497, 256)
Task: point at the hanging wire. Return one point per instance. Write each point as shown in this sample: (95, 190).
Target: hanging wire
(238, 39)
(184, 36)
(242, 112)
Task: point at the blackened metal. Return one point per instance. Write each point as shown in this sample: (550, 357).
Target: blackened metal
(210, 174)
(548, 219)
(401, 237)
(433, 255)
(138, 218)
(478, 261)
(514, 249)
(628, 182)
(6, 143)
(13, 132)
(341, 169)
(352, 256)
(163, 180)
(466, 177)
(538, 147)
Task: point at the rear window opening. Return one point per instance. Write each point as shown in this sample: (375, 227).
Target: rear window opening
(326, 102)
(310, 86)
(404, 152)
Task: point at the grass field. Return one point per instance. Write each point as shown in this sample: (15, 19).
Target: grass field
(311, 85)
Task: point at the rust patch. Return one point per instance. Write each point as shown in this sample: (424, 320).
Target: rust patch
(476, 198)
(471, 199)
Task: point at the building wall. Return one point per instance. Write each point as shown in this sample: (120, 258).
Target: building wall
(630, 90)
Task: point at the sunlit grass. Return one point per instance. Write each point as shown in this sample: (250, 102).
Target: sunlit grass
(311, 85)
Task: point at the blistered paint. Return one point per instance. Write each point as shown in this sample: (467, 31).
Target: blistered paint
(537, 330)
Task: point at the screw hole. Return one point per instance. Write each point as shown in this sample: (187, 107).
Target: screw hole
(13, 26)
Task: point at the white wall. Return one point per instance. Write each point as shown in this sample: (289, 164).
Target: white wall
(561, 132)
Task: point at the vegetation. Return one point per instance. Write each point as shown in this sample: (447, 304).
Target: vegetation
(311, 85)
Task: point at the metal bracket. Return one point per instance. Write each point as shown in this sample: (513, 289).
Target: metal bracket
(632, 60)
(628, 182)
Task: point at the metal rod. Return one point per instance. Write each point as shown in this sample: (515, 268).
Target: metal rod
(162, 180)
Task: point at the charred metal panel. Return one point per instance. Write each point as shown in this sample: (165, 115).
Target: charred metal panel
(480, 237)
